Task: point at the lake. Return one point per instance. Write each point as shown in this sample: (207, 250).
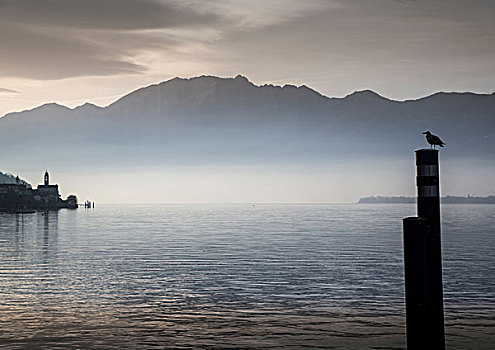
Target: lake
(234, 276)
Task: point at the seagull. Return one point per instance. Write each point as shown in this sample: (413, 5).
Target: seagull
(433, 140)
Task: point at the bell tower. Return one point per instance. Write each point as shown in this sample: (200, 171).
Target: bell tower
(47, 178)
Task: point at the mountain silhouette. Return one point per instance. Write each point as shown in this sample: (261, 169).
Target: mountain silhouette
(207, 117)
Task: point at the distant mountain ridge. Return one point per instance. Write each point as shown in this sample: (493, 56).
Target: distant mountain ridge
(183, 82)
(199, 88)
(201, 118)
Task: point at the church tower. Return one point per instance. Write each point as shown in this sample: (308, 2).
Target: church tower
(47, 178)
(47, 195)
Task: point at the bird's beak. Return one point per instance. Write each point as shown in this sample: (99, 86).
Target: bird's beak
(424, 133)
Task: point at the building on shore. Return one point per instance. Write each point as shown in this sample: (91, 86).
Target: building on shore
(18, 196)
(47, 195)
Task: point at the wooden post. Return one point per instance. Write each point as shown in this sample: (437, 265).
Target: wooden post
(416, 282)
(423, 259)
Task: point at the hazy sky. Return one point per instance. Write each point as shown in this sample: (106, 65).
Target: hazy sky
(78, 51)
(75, 51)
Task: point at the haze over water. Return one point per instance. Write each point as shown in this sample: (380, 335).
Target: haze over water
(233, 276)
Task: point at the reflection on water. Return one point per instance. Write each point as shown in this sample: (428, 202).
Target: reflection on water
(232, 276)
(15, 228)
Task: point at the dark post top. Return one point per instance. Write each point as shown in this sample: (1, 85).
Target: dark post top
(426, 156)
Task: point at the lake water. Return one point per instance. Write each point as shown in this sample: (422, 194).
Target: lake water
(234, 276)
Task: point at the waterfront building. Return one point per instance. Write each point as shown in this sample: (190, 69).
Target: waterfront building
(47, 194)
(19, 196)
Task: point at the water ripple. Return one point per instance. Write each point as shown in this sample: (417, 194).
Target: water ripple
(233, 277)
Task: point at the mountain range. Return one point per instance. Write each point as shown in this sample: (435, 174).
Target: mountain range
(208, 118)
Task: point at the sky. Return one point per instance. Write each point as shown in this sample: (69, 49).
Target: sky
(78, 51)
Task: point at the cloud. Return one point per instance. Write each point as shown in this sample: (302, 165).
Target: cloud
(248, 15)
(105, 14)
(39, 55)
(403, 50)
(56, 39)
(8, 91)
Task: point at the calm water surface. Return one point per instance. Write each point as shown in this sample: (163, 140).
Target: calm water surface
(233, 276)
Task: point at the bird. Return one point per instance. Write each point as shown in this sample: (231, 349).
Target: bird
(433, 140)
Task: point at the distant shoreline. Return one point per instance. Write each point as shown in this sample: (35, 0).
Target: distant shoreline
(446, 200)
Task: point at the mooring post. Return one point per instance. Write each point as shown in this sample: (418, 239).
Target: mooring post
(416, 281)
(423, 259)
